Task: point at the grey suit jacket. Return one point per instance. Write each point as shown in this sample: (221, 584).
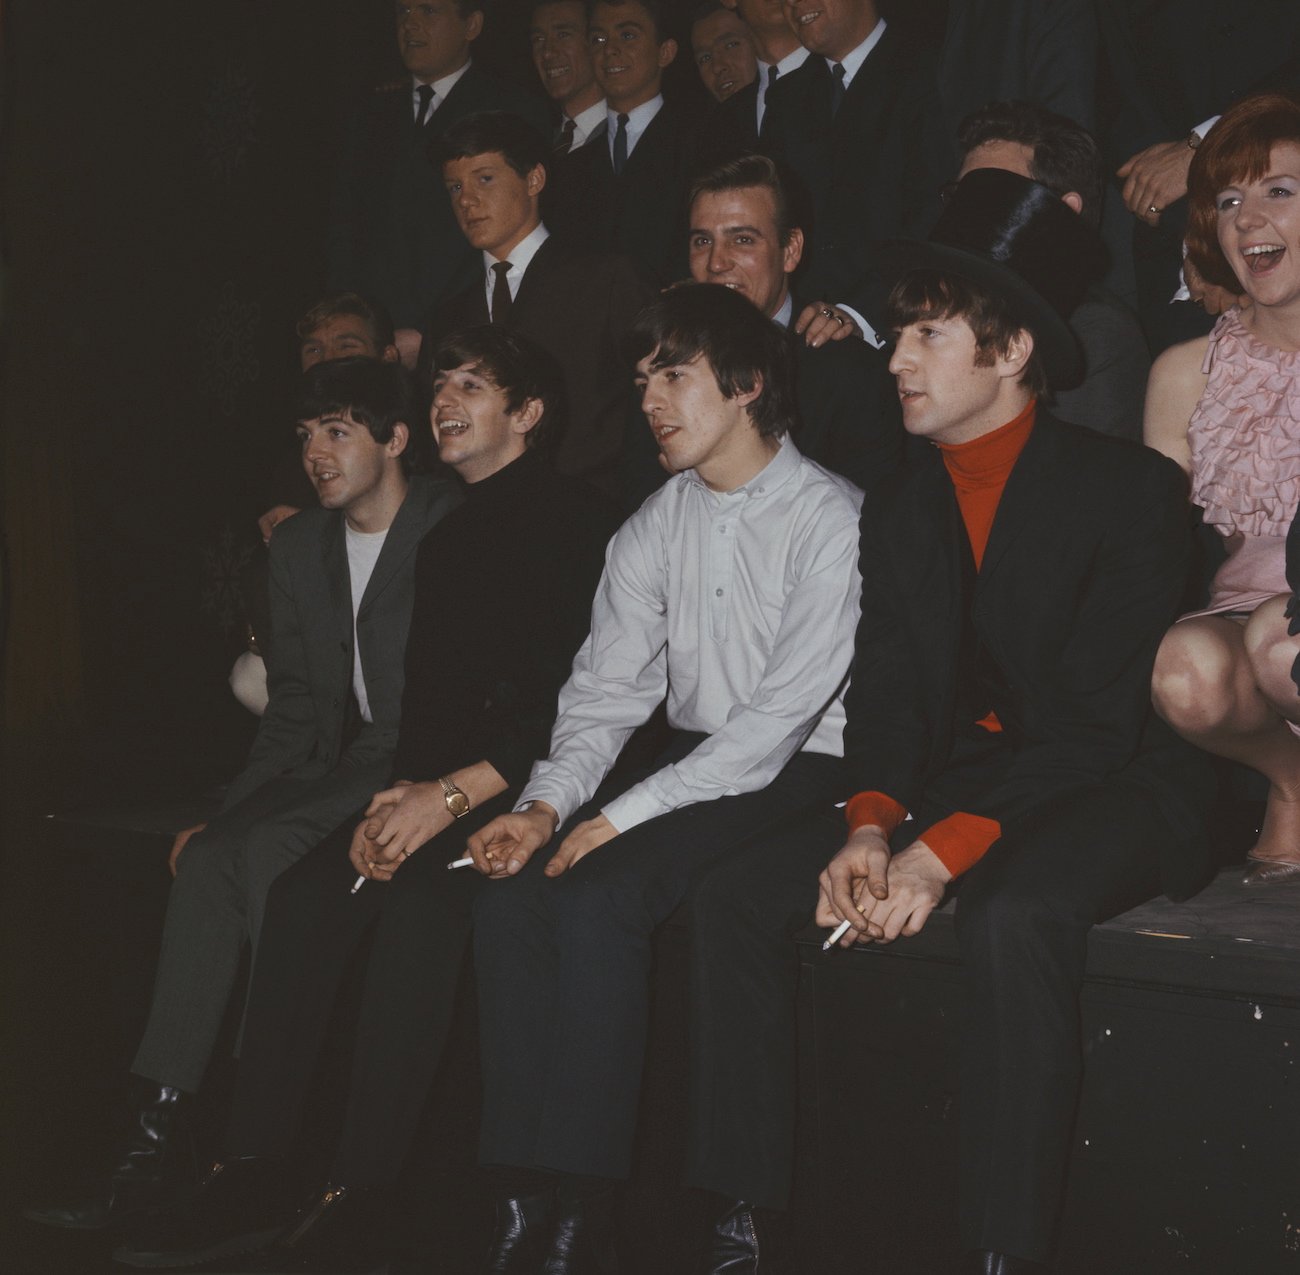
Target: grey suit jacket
(302, 736)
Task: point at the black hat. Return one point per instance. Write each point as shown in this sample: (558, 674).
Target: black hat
(1017, 238)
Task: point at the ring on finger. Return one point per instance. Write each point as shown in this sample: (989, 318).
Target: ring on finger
(827, 313)
(1153, 210)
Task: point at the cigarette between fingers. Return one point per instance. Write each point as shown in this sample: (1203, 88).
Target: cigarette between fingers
(838, 933)
(460, 863)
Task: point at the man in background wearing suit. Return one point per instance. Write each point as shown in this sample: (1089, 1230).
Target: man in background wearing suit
(861, 124)
(392, 236)
(1016, 581)
(557, 35)
(628, 194)
(723, 49)
(577, 305)
(779, 53)
(341, 590)
(744, 235)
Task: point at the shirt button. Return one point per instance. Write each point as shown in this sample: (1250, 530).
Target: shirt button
(718, 592)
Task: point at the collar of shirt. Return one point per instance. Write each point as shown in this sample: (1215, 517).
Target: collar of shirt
(638, 120)
(520, 256)
(585, 123)
(785, 313)
(440, 88)
(852, 62)
(772, 477)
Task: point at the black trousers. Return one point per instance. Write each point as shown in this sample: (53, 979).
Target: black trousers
(1023, 916)
(312, 929)
(564, 966)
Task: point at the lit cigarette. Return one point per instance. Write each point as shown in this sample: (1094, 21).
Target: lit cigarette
(361, 880)
(460, 863)
(840, 931)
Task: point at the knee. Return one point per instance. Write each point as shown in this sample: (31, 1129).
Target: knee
(209, 856)
(1272, 653)
(1194, 682)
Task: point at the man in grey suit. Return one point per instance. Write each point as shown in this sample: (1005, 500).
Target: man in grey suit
(341, 588)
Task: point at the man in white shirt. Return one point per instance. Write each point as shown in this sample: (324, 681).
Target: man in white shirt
(731, 592)
(557, 35)
(779, 53)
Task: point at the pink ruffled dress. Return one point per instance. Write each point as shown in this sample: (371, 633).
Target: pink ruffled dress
(1245, 442)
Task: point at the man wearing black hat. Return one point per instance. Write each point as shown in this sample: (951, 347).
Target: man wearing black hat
(1016, 580)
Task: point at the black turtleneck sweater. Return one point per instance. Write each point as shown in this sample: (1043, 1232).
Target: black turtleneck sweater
(503, 590)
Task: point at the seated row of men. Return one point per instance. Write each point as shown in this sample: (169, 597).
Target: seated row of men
(998, 603)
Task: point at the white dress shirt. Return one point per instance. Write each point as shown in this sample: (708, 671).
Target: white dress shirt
(519, 258)
(441, 88)
(585, 123)
(364, 548)
(741, 607)
(638, 120)
(791, 62)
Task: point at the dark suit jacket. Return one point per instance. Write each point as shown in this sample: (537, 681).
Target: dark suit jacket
(741, 108)
(850, 420)
(873, 170)
(1081, 578)
(392, 233)
(304, 733)
(579, 306)
(642, 212)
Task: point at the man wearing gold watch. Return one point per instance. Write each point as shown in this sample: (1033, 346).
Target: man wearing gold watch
(479, 701)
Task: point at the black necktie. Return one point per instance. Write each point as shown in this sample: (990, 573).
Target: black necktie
(564, 138)
(620, 144)
(425, 93)
(772, 72)
(501, 300)
(837, 87)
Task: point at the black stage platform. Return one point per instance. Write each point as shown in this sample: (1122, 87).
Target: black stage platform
(1187, 1153)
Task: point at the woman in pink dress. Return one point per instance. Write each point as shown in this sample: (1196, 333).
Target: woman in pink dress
(1227, 408)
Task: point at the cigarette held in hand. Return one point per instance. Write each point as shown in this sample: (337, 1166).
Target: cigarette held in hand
(460, 863)
(361, 880)
(840, 931)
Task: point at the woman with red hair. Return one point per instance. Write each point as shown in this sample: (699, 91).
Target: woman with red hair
(1227, 408)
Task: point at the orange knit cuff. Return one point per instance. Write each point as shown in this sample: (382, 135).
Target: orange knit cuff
(961, 840)
(874, 807)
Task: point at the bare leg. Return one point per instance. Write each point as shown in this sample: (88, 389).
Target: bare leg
(1226, 687)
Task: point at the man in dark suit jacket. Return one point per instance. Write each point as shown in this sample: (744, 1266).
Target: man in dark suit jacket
(744, 235)
(324, 746)
(861, 124)
(1017, 580)
(779, 53)
(392, 236)
(627, 193)
(575, 304)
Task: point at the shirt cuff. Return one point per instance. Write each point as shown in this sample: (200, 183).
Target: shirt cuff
(961, 840)
(868, 332)
(874, 807)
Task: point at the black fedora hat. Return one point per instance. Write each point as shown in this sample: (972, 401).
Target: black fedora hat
(1017, 238)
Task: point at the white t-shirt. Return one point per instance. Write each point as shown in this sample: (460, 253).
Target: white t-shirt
(363, 553)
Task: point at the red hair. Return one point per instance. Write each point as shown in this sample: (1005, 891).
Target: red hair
(1236, 150)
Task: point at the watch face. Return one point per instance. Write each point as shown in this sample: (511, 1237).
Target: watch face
(458, 803)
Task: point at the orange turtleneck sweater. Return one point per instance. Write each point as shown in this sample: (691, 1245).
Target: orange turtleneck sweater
(979, 471)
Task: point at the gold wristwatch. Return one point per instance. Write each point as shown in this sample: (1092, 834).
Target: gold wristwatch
(456, 800)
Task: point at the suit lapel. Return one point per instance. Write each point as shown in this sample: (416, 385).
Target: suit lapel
(533, 287)
(1029, 495)
(334, 556)
(404, 534)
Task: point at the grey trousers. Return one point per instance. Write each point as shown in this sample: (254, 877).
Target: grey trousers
(216, 906)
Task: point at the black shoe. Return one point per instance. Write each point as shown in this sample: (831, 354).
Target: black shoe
(519, 1234)
(582, 1236)
(240, 1208)
(153, 1165)
(987, 1262)
(741, 1241)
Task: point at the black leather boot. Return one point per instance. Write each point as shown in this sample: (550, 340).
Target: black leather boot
(240, 1208)
(741, 1241)
(582, 1236)
(153, 1165)
(520, 1233)
(987, 1262)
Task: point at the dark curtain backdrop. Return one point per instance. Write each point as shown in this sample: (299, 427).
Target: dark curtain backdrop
(166, 176)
